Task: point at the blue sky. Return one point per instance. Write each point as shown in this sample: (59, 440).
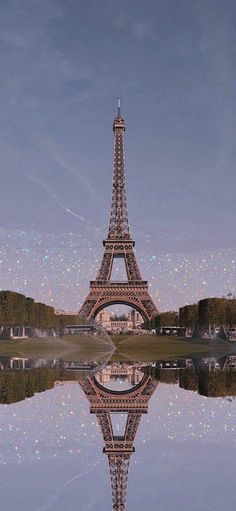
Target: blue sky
(52, 451)
(63, 65)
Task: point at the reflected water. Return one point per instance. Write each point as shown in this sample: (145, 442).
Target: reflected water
(91, 435)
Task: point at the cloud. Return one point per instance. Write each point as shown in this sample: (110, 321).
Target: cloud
(142, 29)
(43, 143)
(22, 21)
(54, 196)
(51, 499)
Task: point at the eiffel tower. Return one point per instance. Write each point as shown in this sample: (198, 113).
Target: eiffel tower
(118, 244)
(133, 402)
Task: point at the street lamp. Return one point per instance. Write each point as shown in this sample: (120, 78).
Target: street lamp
(229, 296)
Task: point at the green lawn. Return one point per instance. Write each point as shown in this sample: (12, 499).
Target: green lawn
(131, 347)
(70, 347)
(152, 347)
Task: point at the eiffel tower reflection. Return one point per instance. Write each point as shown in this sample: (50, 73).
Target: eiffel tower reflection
(133, 402)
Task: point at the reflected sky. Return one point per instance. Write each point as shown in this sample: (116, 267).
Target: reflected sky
(51, 455)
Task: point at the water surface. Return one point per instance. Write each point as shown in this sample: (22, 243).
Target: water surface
(52, 457)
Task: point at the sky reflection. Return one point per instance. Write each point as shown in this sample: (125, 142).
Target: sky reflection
(51, 453)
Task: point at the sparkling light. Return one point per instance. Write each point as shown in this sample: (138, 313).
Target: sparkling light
(57, 269)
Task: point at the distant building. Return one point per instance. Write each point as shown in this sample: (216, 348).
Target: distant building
(129, 373)
(61, 312)
(79, 329)
(117, 324)
(104, 318)
(135, 317)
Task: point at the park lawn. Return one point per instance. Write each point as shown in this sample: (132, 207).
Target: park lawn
(131, 347)
(153, 347)
(70, 347)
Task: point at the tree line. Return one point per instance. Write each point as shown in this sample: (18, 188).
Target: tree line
(16, 310)
(207, 312)
(17, 385)
(216, 383)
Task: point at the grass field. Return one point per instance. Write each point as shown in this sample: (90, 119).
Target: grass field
(70, 347)
(152, 347)
(131, 347)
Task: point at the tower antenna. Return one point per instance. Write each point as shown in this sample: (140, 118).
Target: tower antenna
(118, 106)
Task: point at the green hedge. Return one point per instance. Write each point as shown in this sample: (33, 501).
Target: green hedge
(18, 310)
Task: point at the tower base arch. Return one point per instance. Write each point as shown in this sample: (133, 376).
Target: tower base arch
(132, 294)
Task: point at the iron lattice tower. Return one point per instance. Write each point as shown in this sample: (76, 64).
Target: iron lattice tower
(133, 402)
(119, 244)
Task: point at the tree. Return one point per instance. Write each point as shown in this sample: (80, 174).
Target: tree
(169, 318)
(188, 315)
(230, 313)
(17, 310)
(30, 312)
(188, 379)
(12, 308)
(212, 311)
(123, 317)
